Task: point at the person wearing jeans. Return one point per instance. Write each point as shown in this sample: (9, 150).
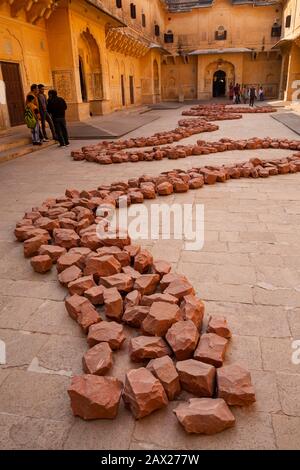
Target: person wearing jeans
(35, 131)
(56, 106)
(45, 116)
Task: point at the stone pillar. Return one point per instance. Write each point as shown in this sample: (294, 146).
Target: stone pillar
(293, 74)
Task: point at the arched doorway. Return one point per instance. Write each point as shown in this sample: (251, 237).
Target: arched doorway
(82, 80)
(219, 83)
(156, 81)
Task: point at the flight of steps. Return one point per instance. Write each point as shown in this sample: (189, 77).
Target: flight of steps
(16, 144)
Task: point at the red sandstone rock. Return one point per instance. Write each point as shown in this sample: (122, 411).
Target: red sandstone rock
(107, 332)
(143, 393)
(68, 275)
(161, 267)
(164, 370)
(73, 305)
(53, 251)
(131, 272)
(132, 299)
(122, 282)
(219, 326)
(146, 283)
(204, 416)
(80, 285)
(211, 349)
(192, 308)
(234, 385)
(91, 240)
(135, 315)
(164, 189)
(94, 397)
(149, 299)
(132, 250)
(41, 263)
(102, 266)
(148, 190)
(87, 316)
(113, 303)
(142, 348)
(161, 317)
(95, 295)
(98, 360)
(67, 260)
(143, 261)
(32, 245)
(183, 338)
(66, 238)
(171, 277)
(197, 377)
(179, 289)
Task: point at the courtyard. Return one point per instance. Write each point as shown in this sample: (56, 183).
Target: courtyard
(248, 270)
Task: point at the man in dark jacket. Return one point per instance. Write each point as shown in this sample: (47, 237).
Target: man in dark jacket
(57, 106)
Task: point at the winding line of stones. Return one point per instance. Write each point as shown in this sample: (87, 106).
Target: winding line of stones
(107, 152)
(128, 286)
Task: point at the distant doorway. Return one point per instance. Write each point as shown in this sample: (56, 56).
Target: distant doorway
(219, 83)
(123, 90)
(131, 89)
(82, 80)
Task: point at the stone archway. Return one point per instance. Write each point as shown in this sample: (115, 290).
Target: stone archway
(219, 70)
(90, 71)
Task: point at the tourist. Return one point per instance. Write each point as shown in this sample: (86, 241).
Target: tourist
(245, 94)
(45, 116)
(261, 93)
(32, 116)
(57, 106)
(34, 93)
(231, 92)
(237, 93)
(252, 95)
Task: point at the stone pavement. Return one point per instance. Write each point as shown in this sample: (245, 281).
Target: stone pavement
(249, 270)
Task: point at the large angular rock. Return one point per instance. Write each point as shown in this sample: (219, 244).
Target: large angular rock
(68, 275)
(132, 299)
(131, 272)
(211, 349)
(219, 326)
(146, 283)
(161, 267)
(106, 332)
(234, 385)
(135, 315)
(171, 277)
(183, 338)
(197, 377)
(98, 360)
(204, 415)
(87, 316)
(102, 266)
(95, 295)
(143, 261)
(142, 348)
(69, 259)
(150, 299)
(41, 263)
(32, 245)
(193, 309)
(67, 238)
(81, 285)
(94, 397)
(161, 317)
(122, 282)
(179, 289)
(113, 303)
(143, 393)
(74, 303)
(54, 251)
(163, 368)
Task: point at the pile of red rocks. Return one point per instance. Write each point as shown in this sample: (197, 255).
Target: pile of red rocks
(213, 111)
(202, 147)
(106, 152)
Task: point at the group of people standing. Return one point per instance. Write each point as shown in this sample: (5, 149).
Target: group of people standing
(238, 94)
(40, 110)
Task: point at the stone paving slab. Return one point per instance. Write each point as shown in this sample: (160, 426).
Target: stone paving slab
(248, 270)
(290, 120)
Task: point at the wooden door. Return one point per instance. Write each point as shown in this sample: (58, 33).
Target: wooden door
(131, 89)
(123, 90)
(14, 92)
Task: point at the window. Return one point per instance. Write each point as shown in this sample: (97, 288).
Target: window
(276, 31)
(119, 3)
(156, 30)
(288, 21)
(143, 20)
(132, 10)
(220, 34)
(169, 37)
